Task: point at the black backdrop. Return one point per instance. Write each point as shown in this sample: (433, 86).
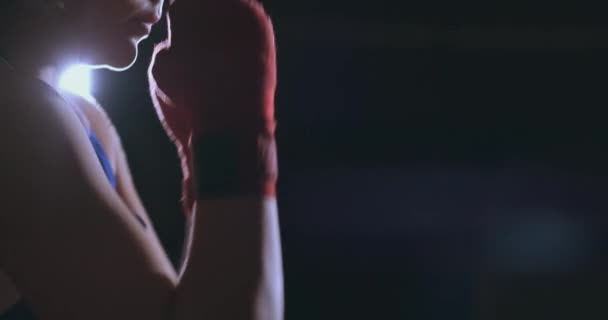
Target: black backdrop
(427, 171)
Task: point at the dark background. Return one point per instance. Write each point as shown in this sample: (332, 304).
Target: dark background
(439, 159)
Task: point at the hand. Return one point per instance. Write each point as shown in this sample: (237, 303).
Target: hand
(218, 62)
(215, 73)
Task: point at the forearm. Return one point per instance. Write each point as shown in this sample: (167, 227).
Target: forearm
(234, 266)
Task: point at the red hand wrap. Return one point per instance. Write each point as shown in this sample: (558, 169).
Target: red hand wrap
(230, 164)
(217, 72)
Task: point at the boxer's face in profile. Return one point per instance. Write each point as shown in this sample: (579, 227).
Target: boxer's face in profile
(107, 32)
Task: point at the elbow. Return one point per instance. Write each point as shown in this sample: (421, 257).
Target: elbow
(247, 299)
(166, 296)
(158, 298)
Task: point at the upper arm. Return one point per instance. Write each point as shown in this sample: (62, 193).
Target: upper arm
(67, 240)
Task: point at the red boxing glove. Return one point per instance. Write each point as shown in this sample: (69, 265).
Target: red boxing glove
(213, 78)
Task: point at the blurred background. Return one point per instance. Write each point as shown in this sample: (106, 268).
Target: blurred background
(439, 159)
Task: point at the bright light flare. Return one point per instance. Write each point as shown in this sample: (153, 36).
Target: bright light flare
(77, 79)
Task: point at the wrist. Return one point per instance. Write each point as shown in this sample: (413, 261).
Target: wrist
(232, 163)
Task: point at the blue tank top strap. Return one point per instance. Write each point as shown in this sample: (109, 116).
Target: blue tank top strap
(107, 168)
(103, 158)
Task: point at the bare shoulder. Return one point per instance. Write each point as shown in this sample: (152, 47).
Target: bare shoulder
(39, 137)
(29, 109)
(63, 228)
(38, 131)
(21, 96)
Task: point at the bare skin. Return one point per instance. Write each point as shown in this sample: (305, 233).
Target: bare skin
(72, 245)
(225, 276)
(101, 124)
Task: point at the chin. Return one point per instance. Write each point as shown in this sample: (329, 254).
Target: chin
(119, 59)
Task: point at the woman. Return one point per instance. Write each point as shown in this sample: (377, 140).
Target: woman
(75, 240)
